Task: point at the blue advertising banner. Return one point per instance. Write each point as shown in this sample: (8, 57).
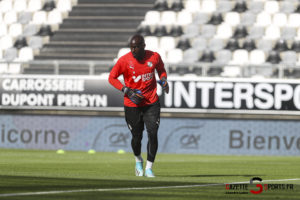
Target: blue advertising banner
(186, 135)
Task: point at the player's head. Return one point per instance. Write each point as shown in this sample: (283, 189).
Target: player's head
(137, 46)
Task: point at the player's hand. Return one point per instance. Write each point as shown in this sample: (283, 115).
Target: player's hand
(164, 84)
(133, 94)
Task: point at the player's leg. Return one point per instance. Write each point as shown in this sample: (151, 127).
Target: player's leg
(135, 124)
(151, 118)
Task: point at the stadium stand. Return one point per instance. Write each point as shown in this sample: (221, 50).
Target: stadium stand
(207, 37)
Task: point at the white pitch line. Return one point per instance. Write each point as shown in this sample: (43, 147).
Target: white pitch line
(134, 188)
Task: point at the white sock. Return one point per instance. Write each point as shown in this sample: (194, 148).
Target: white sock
(149, 165)
(138, 158)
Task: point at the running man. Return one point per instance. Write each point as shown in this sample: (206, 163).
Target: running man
(141, 102)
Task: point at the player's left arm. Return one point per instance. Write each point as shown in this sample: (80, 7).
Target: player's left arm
(160, 68)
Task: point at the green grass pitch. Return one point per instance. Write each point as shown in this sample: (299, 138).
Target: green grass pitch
(45, 175)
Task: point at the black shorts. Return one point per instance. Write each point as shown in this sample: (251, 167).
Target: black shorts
(137, 117)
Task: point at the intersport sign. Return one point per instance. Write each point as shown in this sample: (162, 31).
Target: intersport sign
(186, 94)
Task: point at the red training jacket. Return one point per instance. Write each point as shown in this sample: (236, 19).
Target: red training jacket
(138, 75)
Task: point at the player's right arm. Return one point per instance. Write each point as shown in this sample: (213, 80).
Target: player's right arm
(114, 74)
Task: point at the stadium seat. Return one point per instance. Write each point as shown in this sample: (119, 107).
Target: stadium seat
(192, 30)
(123, 51)
(294, 20)
(280, 19)
(263, 19)
(152, 43)
(256, 6)
(184, 18)
(224, 6)
(34, 5)
(6, 42)
(190, 55)
(15, 30)
(3, 29)
(10, 17)
(287, 7)
(215, 44)
(64, 5)
(232, 18)
(271, 7)
(152, 17)
(6, 5)
(247, 19)
(208, 31)
(200, 18)
(256, 32)
(257, 57)
(30, 30)
(168, 18)
(39, 17)
(224, 31)
(272, 33)
(54, 17)
(239, 57)
(167, 43)
(288, 33)
(35, 42)
(174, 56)
(289, 58)
(265, 45)
(163, 54)
(10, 54)
(24, 18)
(199, 43)
(208, 6)
(223, 57)
(19, 5)
(192, 6)
(25, 54)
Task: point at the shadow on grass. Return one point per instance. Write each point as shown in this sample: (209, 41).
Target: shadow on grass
(215, 175)
(10, 184)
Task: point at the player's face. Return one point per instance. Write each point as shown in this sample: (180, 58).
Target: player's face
(137, 48)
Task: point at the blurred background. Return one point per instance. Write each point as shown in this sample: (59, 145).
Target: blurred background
(213, 41)
(223, 38)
